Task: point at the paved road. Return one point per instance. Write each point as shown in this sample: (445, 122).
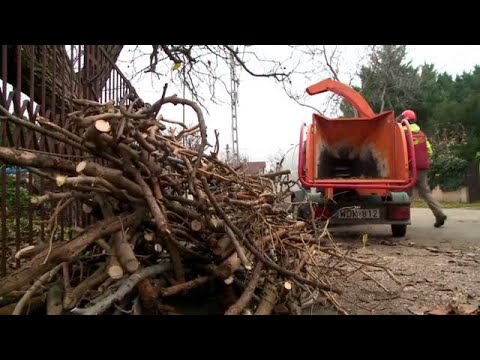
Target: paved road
(461, 230)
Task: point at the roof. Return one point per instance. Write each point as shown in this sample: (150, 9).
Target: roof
(255, 167)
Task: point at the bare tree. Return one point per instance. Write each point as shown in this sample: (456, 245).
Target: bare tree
(274, 160)
(320, 62)
(200, 67)
(242, 158)
(445, 139)
(204, 70)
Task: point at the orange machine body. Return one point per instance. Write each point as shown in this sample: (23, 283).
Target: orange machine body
(375, 146)
(355, 170)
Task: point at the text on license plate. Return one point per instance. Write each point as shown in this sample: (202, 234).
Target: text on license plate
(359, 214)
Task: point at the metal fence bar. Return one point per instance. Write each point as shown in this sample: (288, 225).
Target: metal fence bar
(42, 80)
(3, 211)
(3, 177)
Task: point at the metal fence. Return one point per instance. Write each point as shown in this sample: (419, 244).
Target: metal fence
(43, 80)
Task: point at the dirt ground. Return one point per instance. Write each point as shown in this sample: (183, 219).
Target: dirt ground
(435, 270)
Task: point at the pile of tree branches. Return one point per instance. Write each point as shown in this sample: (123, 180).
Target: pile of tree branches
(169, 223)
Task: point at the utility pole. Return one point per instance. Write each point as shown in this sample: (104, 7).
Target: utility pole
(234, 82)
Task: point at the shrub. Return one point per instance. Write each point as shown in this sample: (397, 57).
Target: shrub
(448, 172)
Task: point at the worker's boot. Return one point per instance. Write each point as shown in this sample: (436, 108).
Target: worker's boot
(440, 221)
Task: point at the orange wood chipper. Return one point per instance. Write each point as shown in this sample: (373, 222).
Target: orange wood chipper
(354, 170)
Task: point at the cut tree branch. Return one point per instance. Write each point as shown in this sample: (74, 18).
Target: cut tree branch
(123, 290)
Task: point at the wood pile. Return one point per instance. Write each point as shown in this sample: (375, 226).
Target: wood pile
(173, 225)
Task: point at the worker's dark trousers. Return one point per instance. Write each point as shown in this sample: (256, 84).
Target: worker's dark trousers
(425, 193)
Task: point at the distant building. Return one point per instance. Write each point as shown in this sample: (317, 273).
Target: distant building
(255, 167)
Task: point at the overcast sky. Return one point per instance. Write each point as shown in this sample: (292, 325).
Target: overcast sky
(268, 120)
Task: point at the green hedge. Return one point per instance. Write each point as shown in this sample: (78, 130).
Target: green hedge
(10, 198)
(448, 172)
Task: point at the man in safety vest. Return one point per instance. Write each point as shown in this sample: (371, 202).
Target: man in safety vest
(423, 153)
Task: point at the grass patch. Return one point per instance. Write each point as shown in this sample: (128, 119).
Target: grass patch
(447, 205)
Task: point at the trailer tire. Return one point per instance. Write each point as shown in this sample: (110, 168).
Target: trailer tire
(303, 212)
(399, 230)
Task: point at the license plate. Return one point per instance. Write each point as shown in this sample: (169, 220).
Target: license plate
(359, 214)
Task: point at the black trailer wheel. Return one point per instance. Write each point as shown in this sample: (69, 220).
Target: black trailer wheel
(399, 230)
(303, 212)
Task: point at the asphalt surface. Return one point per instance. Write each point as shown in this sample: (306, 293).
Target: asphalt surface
(461, 230)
